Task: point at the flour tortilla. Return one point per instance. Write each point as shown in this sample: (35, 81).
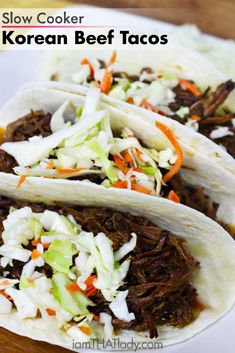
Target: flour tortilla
(198, 169)
(206, 240)
(188, 63)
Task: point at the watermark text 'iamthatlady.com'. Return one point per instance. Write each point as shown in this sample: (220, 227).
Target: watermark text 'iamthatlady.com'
(117, 344)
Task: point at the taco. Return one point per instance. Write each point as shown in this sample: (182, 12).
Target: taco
(174, 81)
(65, 143)
(75, 274)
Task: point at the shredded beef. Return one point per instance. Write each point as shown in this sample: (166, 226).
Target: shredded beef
(194, 197)
(34, 124)
(227, 141)
(205, 106)
(118, 75)
(160, 272)
(183, 98)
(7, 162)
(159, 275)
(215, 99)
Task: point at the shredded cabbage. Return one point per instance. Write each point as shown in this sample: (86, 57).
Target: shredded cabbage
(120, 309)
(59, 256)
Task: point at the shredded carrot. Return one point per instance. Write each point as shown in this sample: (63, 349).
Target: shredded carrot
(87, 62)
(67, 327)
(2, 133)
(50, 165)
(21, 181)
(120, 184)
(173, 196)
(113, 58)
(91, 292)
(107, 79)
(186, 85)
(89, 281)
(69, 170)
(141, 189)
(45, 245)
(51, 312)
(73, 287)
(130, 100)
(120, 163)
(6, 295)
(145, 104)
(106, 82)
(127, 157)
(85, 330)
(96, 317)
(137, 169)
(195, 117)
(35, 254)
(35, 242)
(5, 282)
(30, 281)
(178, 151)
(139, 153)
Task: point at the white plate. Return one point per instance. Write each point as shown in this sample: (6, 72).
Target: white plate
(19, 67)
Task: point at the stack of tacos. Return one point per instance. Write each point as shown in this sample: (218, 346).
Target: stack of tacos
(117, 204)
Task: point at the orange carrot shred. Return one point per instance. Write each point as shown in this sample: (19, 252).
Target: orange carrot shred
(6, 295)
(130, 100)
(120, 184)
(91, 292)
(145, 104)
(73, 287)
(45, 245)
(141, 189)
(139, 153)
(96, 317)
(85, 61)
(89, 281)
(120, 164)
(195, 117)
(106, 82)
(2, 133)
(35, 254)
(127, 157)
(137, 169)
(113, 58)
(35, 242)
(51, 312)
(21, 181)
(186, 85)
(5, 283)
(85, 330)
(30, 281)
(173, 196)
(69, 170)
(107, 79)
(50, 165)
(175, 168)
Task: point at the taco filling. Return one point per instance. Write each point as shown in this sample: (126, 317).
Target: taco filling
(86, 148)
(78, 267)
(168, 94)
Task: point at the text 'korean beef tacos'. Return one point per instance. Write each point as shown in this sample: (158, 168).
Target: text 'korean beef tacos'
(174, 81)
(68, 138)
(81, 273)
